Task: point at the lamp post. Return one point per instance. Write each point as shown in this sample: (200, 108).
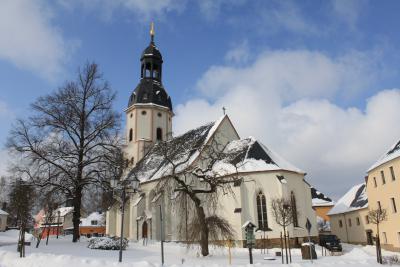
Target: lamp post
(122, 186)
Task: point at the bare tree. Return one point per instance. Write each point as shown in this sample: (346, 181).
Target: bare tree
(199, 185)
(283, 212)
(377, 216)
(22, 197)
(70, 138)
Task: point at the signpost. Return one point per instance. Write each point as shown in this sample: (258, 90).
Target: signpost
(250, 238)
(308, 227)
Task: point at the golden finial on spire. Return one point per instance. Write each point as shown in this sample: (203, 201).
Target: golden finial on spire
(152, 31)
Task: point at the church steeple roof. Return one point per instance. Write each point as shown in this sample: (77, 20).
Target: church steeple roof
(150, 88)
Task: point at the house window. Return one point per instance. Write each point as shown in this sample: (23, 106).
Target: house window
(340, 223)
(394, 208)
(159, 134)
(384, 237)
(349, 222)
(398, 237)
(237, 210)
(379, 205)
(383, 177)
(93, 222)
(392, 173)
(262, 212)
(375, 184)
(130, 134)
(358, 221)
(366, 219)
(294, 209)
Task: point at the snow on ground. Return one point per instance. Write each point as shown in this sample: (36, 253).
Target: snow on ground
(63, 253)
(11, 237)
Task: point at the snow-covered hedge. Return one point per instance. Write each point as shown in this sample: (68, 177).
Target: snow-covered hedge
(107, 243)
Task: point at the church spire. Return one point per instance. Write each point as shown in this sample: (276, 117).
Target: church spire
(152, 32)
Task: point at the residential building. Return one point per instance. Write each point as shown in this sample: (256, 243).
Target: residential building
(60, 222)
(93, 225)
(3, 220)
(322, 205)
(383, 188)
(348, 218)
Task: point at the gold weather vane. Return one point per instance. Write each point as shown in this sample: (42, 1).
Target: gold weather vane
(152, 31)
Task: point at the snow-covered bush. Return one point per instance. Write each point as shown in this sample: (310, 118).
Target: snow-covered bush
(107, 243)
(391, 260)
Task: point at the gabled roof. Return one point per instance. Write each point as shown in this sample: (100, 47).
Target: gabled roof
(394, 152)
(356, 198)
(250, 155)
(244, 155)
(319, 199)
(94, 216)
(2, 212)
(185, 149)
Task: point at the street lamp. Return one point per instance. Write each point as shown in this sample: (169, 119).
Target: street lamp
(123, 185)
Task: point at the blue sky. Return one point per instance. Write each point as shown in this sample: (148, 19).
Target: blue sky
(314, 80)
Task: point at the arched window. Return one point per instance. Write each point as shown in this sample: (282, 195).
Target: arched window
(262, 212)
(130, 134)
(159, 134)
(294, 209)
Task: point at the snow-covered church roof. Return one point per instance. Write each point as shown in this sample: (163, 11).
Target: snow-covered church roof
(244, 155)
(319, 199)
(249, 155)
(356, 198)
(394, 152)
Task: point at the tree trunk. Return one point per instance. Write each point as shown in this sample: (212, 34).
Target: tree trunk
(203, 231)
(76, 216)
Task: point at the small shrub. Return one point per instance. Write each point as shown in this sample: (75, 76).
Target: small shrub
(391, 260)
(107, 243)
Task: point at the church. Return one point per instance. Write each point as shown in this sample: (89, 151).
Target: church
(263, 175)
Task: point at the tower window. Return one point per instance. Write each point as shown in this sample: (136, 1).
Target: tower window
(159, 114)
(262, 212)
(144, 112)
(130, 134)
(159, 134)
(131, 115)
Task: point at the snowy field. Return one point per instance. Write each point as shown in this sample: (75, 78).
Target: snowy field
(62, 253)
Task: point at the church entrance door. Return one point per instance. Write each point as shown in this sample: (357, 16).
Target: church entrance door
(144, 230)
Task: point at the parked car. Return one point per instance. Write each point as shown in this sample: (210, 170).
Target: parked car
(330, 242)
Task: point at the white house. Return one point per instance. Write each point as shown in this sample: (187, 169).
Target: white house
(264, 174)
(3, 220)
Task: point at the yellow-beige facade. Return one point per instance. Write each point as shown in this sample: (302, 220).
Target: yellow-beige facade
(383, 189)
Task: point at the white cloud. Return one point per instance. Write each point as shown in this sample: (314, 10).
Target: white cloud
(285, 99)
(146, 10)
(239, 54)
(347, 11)
(286, 15)
(29, 38)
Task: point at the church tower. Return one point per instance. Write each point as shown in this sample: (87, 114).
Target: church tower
(149, 113)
